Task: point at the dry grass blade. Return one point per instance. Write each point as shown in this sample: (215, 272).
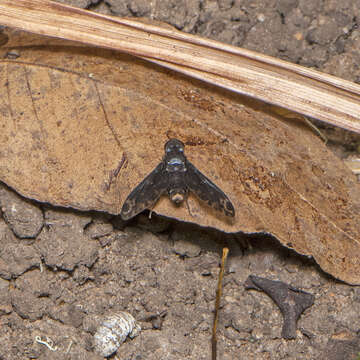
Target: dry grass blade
(299, 89)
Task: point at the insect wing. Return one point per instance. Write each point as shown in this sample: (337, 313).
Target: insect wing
(146, 194)
(207, 191)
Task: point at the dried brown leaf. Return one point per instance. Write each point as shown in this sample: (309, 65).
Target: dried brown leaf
(82, 126)
(278, 82)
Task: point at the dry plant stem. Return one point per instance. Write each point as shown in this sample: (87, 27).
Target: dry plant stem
(217, 303)
(316, 130)
(291, 86)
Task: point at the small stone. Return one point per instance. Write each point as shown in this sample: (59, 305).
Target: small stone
(189, 243)
(27, 305)
(82, 274)
(188, 249)
(24, 218)
(17, 258)
(119, 8)
(63, 244)
(140, 8)
(98, 229)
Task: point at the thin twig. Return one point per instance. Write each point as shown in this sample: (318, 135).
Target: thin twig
(217, 303)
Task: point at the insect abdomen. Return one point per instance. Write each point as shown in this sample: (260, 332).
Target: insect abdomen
(177, 189)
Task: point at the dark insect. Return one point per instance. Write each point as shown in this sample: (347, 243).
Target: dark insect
(177, 176)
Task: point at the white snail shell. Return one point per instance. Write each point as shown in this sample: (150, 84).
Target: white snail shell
(113, 331)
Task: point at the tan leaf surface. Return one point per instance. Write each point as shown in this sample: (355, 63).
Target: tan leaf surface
(81, 127)
(291, 86)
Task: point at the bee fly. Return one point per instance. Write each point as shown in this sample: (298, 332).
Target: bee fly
(177, 176)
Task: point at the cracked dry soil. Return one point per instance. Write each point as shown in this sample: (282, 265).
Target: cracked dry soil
(60, 270)
(65, 270)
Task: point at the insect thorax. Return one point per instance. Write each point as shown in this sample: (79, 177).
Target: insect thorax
(175, 164)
